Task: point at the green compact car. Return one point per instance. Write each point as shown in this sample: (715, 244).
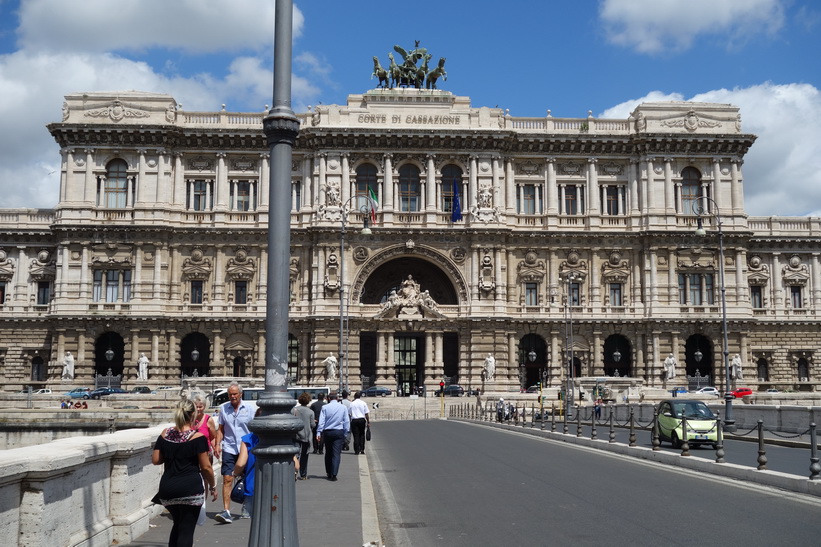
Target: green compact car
(701, 423)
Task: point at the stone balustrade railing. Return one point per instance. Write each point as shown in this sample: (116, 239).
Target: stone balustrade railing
(81, 491)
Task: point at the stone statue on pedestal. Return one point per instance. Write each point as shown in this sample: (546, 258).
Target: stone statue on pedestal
(330, 366)
(142, 367)
(490, 367)
(670, 367)
(68, 366)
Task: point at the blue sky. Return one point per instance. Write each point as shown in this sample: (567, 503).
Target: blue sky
(606, 56)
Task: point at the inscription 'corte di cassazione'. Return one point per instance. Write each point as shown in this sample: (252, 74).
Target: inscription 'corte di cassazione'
(409, 119)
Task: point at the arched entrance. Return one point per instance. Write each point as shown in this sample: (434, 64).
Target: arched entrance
(533, 359)
(390, 275)
(195, 355)
(238, 353)
(38, 373)
(618, 356)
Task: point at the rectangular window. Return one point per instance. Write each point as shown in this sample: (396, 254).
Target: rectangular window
(795, 297)
(531, 294)
(573, 200)
(43, 293)
(756, 296)
(196, 291)
(112, 285)
(2, 293)
(575, 294)
(615, 294)
(682, 288)
(447, 197)
(116, 190)
(241, 292)
(709, 289)
(695, 289)
(526, 200)
(126, 285)
(243, 189)
(612, 200)
(199, 189)
(97, 286)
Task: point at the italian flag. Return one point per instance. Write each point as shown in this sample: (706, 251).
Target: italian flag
(373, 203)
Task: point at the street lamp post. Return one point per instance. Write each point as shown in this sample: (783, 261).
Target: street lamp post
(531, 356)
(365, 209)
(275, 523)
(572, 277)
(701, 211)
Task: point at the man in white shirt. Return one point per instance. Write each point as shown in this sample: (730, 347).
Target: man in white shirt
(359, 421)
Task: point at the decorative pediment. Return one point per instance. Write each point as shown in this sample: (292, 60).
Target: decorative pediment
(112, 254)
(531, 269)
(795, 273)
(43, 268)
(573, 265)
(615, 270)
(241, 266)
(197, 266)
(758, 273)
(6, 267)
(528, 168)
(696, 260)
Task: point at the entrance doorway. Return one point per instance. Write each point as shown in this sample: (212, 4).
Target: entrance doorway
(409, 356)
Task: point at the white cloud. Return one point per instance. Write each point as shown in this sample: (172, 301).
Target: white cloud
(654, 26)
(782, 170)
(189, 25)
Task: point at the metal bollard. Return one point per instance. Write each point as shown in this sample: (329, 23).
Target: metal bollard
(632, 438)
(762, 452)
(685, 445)
(552, 417)
(593, 433)
(815, 467)
(719, 439)
(655, 438)
(578, 420)
(612, 436)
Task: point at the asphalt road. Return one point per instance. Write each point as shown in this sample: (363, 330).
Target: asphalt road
(455, 484)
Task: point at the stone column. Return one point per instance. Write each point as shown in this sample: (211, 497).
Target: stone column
(140, 197)
(218, 294)
(776, 282)
(510, 187)
(429, 353)
(178, 194)
(498, 194)
(556, 360)
(512, 363)
(430, 184)
(654, 288)
(81, 349)
(648, 184)
(741, 290)
(346, 178)
(655, 358)
(717, 193)
(90, 184)
(62, 281)
(669, 195)
(388, 204)
(172, 365)
(633, 183)
(155, 348)
(221, 185)
(135, 354)
(473, 183)
(217, 363)
(501, 286)
(672, 277)
(595, 287)
(551, 190)
(323, 171)
(598, 358)
(381, 343)
(136, 279)
(736, 186)
(593, 201)
(438, 360)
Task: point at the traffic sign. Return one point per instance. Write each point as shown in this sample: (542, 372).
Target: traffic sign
(375, 405)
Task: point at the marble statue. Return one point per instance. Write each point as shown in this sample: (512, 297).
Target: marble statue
(735, 368)
(330, 366)
(68, 366)
(670, 367)
(490, 367)
(142, 367)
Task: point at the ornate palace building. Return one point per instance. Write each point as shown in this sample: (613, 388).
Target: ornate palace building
(574, 234)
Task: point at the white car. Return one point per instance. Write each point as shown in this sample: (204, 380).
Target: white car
(709, 390)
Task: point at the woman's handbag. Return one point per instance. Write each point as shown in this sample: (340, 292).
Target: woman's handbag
(368, 433)
(238, 491)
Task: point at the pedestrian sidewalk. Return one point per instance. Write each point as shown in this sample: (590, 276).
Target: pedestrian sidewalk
(328, 513)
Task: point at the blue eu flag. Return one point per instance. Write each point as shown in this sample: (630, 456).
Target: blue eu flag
(456, 211)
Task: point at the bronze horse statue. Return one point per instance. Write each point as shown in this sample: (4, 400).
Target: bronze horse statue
(436, 73)
(380, 73)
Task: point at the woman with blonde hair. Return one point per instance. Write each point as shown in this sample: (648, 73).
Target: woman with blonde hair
(184, 452)
(204, 423)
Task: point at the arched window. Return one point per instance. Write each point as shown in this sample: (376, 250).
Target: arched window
(409, 188)
(115, 188)
(690, 190)
(451, 178)
(366, 184)
(803, 370)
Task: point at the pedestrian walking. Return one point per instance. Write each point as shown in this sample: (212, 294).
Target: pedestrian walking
(234, 417)
(303, 437)
(334, 425)
(360, 420)
(347, 404)
(316, 406)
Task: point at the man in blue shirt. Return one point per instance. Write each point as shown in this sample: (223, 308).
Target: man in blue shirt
(334, 425)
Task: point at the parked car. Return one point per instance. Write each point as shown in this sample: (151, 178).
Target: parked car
(773, 390)
(42, 391)
(141, 390)
(453, 390)
(103, 391)
(709, 390)
(77, 393)
(533, 389)
(701, 423)
(676, 391)
(376, 391)
(741, 392)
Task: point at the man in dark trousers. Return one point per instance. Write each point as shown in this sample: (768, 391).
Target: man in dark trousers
(316, 406)
(334, 424)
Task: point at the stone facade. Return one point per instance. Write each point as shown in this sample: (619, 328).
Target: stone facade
(158, 246)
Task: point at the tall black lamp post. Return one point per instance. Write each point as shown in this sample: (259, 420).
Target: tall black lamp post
(701, 211)
(365, 210)
(275, 523)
